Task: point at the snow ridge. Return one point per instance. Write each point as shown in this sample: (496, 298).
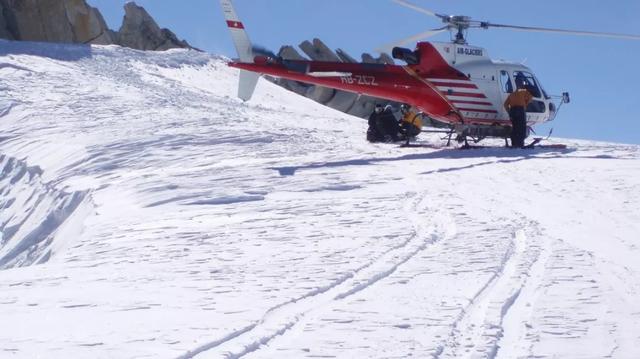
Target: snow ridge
(32, 213)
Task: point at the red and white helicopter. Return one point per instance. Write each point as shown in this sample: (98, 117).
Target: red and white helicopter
(455, 84)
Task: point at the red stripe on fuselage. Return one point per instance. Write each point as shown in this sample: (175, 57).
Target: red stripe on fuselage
(235, 24)
(477, 110)
(465, 94)
(472, 102)
(454, 85)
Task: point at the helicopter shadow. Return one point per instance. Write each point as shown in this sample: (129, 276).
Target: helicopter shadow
(502, 155)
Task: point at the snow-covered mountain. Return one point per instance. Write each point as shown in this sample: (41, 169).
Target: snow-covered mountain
(148, 213)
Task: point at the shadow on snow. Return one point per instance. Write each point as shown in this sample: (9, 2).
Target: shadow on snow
(504, 155)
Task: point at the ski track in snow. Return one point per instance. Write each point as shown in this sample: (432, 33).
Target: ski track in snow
(146, 212)
(479, 327)
(280, 319)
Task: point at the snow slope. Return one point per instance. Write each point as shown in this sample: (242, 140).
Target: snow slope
(147, 213)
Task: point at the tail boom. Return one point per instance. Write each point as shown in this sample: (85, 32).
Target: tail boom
(391, 82)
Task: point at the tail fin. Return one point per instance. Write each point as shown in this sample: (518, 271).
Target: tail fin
(248, 80)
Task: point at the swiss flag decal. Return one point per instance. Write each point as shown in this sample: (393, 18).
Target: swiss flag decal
(235, 24)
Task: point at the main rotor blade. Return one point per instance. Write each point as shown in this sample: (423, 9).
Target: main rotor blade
(567, 32)
(418, 8)
(415, 38)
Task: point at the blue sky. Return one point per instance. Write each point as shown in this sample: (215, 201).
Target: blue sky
(601, 74)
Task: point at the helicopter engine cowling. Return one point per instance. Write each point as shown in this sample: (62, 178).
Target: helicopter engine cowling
(406, 55)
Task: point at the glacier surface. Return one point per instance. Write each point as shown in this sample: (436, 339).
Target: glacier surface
(148, 213)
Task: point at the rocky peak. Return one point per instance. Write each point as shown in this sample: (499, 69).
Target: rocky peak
(140, 31)
(74, 21)
(52, 21)
(87, 23)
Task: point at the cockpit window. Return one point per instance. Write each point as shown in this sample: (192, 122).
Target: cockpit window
(528, 81)
(505, 80)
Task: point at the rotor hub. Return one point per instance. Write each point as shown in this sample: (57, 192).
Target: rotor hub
(460, 24)
(459, 21)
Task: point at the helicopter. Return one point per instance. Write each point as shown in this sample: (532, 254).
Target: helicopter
(454, 84)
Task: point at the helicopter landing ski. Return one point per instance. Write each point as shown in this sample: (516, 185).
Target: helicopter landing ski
(537, 143)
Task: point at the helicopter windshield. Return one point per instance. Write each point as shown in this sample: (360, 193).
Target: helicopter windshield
(529, 82)
(524, 79)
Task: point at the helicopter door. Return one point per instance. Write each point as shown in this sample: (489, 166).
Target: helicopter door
(506, 87)
(505, 82)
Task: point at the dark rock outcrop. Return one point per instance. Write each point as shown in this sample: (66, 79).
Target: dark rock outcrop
(4, 32)
(140, 31)
(70, 21)
(318, 51)
(87, 24)
(344, 56)
(74, 21)
(290, 53)
(382, 59)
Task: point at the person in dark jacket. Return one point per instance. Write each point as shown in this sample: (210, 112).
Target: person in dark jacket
(383, 125)
(388, 125)
(373, 132)
(516, 104)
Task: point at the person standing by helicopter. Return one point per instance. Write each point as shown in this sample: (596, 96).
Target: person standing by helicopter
(516, 105)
